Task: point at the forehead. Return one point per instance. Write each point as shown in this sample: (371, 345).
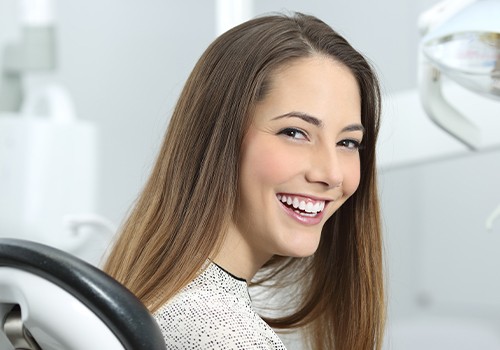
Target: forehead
(316, 67)
(317, 85)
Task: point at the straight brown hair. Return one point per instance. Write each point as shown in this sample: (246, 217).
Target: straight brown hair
(181, 216)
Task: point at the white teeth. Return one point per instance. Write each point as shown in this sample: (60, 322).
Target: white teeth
(309, 207)
(316, 207)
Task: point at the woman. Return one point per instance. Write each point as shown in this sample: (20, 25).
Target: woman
(268, 166)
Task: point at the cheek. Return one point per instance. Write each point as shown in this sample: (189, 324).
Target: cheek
(352, 177)
(268, 163)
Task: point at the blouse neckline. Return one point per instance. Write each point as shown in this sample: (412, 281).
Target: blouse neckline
(229, 273)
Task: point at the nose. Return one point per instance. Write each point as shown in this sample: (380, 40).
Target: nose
(325, 168)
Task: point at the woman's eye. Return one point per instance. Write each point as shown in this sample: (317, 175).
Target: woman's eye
(294, 133)
(350, 144)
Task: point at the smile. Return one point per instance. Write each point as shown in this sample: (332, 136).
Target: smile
(301, 205)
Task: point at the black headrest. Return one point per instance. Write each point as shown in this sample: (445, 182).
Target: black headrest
(116, 306)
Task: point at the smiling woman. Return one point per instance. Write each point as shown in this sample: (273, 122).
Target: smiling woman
(266, 174)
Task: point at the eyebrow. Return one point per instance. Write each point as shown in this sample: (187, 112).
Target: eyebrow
(316, 122)
(304, 116)
(354, 127)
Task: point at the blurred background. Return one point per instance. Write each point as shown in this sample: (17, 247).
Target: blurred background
(76, 149)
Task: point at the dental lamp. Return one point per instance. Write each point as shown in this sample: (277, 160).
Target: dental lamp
(460, 40)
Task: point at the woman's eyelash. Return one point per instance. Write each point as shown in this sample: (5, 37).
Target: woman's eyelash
(293, 133)
(351, 144)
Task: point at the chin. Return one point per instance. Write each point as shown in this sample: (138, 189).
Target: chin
(304, 254)
(301, 249)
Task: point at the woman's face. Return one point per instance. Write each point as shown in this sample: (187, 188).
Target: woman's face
(299, 160)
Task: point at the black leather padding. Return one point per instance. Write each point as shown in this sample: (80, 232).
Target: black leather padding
(115, 305)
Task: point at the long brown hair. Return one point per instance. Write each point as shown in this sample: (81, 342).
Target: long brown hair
(180, 218)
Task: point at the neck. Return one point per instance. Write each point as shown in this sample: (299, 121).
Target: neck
(236, 257)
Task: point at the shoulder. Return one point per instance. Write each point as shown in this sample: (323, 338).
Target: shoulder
(205, 319)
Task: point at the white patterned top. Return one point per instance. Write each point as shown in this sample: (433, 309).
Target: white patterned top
(214, 311)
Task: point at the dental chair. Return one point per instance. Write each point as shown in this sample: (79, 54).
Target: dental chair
(51, 300)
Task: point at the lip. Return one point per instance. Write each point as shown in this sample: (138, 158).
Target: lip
(305, 220)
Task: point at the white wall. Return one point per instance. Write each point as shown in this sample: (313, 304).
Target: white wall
(125, 63)
(442, 261)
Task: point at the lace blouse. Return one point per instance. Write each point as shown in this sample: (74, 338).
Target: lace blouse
(214, 311)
